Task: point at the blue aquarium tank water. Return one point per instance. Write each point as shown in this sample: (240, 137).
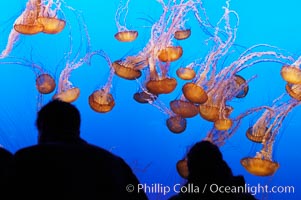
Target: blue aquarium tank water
(153, 77)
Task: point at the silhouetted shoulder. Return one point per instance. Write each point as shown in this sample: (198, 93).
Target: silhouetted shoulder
(79, 171)
(5, 171)
(206, 168)
(5, 155)
(5, 161)
(62, 165)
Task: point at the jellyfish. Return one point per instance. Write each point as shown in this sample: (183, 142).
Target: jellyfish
(223, 124)
(170, 53)
(205, 89)
(209, 112)
(182, 34)
(263, 164)
(38, 16)
(159, 83)
(184, 108)
(257, 133)
(259, 166)
(213, 112)
(226, 84)
(48, 18)
(161, 86)
(159, 51)
(294, 90)
(160, 47)
(194, 93)
(101, 100)
(215, 107)
(123, 34)
(144, 97)
(66, 91)
(221, 87)
(126, 35)
(182, 168)
(219, 136)
(186, 73)
(68, 94)
(259, 130)
(27, 22)
(175, 123)
(130, 67)
(45, 83)
(213, 89)
(44, 80)
(126, 70)
(292, 73)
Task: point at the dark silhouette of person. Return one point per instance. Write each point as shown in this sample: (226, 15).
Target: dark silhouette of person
(6, 158)
(209, 175)
(64, 166)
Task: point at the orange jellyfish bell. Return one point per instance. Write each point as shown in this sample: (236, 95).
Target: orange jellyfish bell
(163, 86)
(126, 36)
(182, 168)
(259, 167)
(223, 124)
(239, 80)
(29, 29)
(144, 97)
(291, 74)
(294, 90)
(125, 72)
(101, 101)
(185, 73)
(209, 112)
(194, 93)
(256, 135)
(51, 25)
(45, 83)
(176, 124)
(69, 95)
(182, 34)
(170, 54)
(185, 109)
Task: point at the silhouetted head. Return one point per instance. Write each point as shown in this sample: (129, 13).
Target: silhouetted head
(58, 121)
(205, 163)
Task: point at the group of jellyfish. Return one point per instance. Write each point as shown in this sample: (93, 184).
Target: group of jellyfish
(207, 90)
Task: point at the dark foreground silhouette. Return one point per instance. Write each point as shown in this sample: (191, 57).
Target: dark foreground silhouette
(209, 176)
(64, 166)
(6, 158)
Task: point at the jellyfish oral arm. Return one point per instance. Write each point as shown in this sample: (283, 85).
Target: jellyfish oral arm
(12, 39)
(64, 83)
(121, 10)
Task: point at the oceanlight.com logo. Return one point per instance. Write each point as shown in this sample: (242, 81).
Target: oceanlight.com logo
(159, 188)
(257, 189)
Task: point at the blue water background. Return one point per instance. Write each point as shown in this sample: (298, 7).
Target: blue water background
(137, 132)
